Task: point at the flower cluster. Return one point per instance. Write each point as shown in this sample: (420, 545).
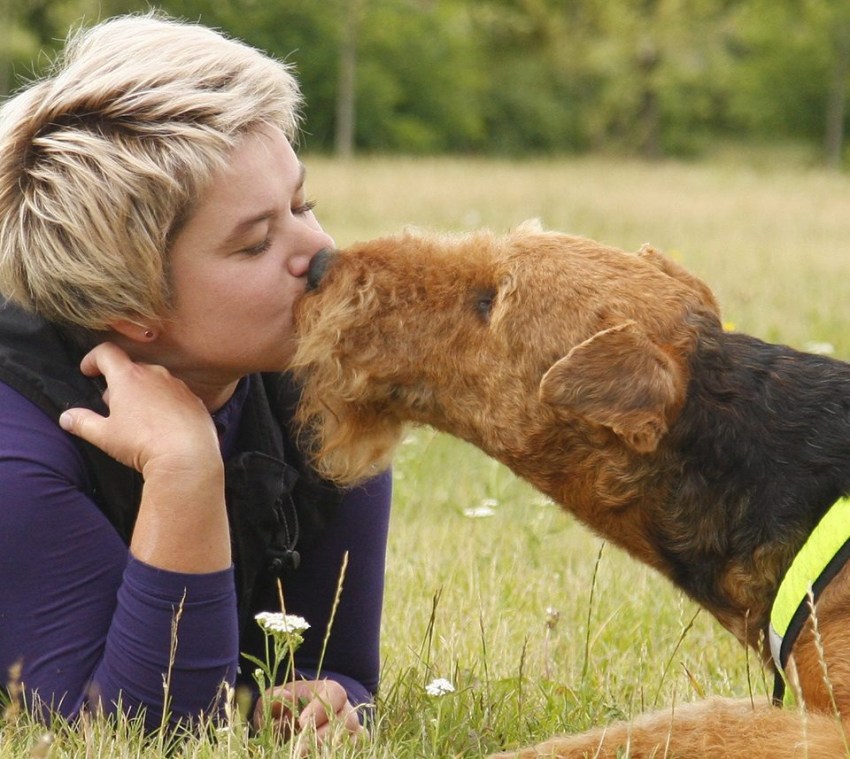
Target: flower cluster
(276, 623)
(284, 633)
(439, 687)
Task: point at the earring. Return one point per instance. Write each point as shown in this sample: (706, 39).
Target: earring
(149, 334)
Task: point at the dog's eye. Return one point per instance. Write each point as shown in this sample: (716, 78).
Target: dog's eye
(484, 303)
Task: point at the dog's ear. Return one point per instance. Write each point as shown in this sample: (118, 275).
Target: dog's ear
(620, 379)
(680, 274)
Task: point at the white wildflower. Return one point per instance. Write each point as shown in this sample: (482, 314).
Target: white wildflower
(439, 687)
(478, 512)
(287, 624)
(485, 509)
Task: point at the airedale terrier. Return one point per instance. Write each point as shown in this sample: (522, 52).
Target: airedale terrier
(606, 380)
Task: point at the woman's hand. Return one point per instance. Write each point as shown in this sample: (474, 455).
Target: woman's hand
(321, 705)
(154, 419)
(159, 427)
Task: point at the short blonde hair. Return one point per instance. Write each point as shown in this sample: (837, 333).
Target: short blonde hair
(102, 160)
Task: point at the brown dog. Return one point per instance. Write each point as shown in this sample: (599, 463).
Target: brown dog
(606, 380)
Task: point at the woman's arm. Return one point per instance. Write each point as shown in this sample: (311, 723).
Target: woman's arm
(157, 426)
(84, 620)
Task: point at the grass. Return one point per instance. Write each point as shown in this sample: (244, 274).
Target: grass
(474, 600)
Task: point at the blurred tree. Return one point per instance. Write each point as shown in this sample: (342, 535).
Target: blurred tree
(837, 22)
(638, 75)
(538, 85)
(657, 62)
(651, 77)
(793, 72)
(420, 78)
(32, 31)
(346, 101)
(378, 74)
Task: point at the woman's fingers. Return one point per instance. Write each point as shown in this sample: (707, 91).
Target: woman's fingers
(81, 422)
(329, 704)
(103, 359)
(153, 416)
(321, 705)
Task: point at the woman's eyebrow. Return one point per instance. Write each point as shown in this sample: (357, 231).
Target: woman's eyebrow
(241, 227)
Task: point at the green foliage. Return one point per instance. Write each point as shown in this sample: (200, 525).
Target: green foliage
(780, 84)
(419, 81)
(646, 77)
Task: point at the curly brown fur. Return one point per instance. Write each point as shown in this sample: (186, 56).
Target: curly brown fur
(606, 380)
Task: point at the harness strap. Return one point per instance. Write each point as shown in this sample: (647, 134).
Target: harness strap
(820, 559)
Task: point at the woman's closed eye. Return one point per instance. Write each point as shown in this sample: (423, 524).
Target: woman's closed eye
(304, 208)
(256, 250)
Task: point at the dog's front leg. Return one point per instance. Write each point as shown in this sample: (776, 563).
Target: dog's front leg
(727, 728)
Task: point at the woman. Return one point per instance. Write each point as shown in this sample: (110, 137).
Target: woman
(154, 232)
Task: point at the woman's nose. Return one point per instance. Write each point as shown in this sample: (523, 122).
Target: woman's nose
(299, 263)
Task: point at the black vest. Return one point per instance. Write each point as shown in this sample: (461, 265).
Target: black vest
(276, 504)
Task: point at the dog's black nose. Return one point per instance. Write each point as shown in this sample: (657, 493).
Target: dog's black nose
(318, 266)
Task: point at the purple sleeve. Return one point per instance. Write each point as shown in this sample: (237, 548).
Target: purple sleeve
(84, 619)
(352, 654)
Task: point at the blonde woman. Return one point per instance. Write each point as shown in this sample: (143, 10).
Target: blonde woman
(154, 232)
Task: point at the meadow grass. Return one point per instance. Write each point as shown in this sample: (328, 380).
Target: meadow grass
(539, 625)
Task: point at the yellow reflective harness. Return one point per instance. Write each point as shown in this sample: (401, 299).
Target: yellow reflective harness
(819, 560)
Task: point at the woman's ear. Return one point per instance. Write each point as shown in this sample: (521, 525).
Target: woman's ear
(136, 331)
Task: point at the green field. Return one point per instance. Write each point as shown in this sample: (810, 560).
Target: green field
(473, 599)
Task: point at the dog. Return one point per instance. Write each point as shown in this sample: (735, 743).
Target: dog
(607, 381)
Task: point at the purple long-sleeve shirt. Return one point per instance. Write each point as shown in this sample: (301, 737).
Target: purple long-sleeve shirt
(87, 621)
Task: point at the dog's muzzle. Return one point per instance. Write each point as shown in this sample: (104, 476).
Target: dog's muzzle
(319, 265)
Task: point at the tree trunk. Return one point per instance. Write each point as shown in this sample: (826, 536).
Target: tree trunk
(836, 106)
(346, 100)
(5, 48)
(649, 110)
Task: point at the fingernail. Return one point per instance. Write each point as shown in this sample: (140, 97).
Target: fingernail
(66, 421)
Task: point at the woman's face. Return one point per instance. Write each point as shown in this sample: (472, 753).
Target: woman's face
(236, 267)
